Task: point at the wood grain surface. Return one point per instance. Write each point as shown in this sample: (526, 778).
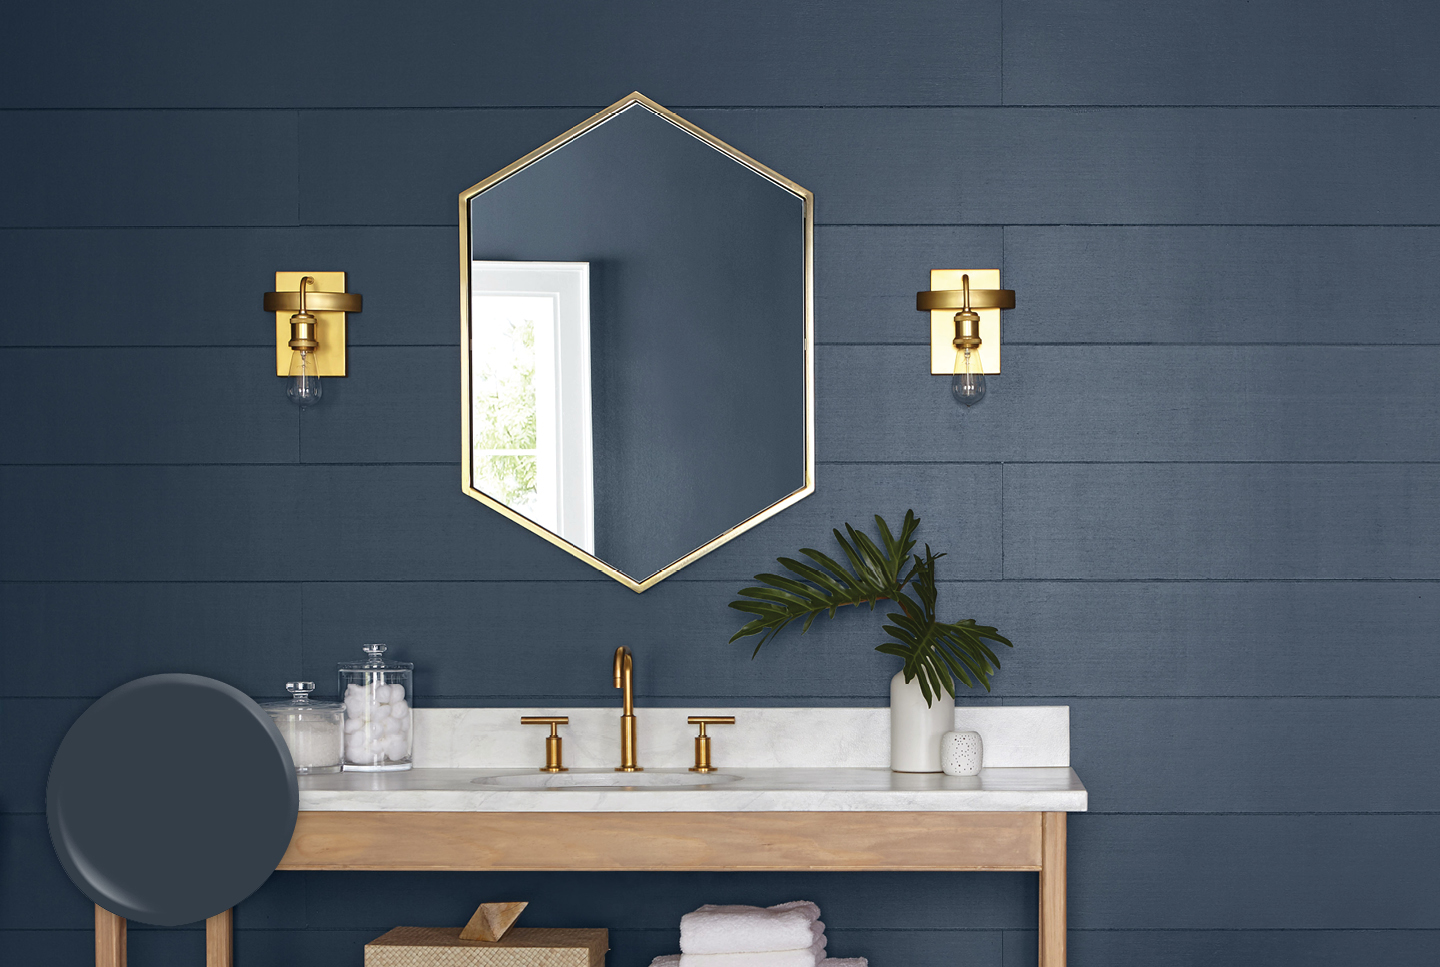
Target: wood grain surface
(849, 841)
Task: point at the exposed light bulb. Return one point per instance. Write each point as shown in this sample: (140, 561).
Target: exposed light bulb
(968, 384)
(304, 388)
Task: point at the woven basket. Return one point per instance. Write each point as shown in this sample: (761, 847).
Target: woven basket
(520, 947)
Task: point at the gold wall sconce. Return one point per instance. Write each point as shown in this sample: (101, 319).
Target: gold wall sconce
(310, 310)
(965, 344)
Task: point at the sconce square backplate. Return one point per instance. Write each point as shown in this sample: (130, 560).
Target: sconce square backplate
(329, 326)
(942, 322)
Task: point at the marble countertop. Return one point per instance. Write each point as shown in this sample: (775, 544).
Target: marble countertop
(828, 789)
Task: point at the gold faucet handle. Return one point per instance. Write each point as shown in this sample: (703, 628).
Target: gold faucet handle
(553, 752)
(702, 741)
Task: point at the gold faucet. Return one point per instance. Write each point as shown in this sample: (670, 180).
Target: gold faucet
(624, 674)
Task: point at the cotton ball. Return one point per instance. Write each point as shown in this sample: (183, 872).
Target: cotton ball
(353, 689)
(383, 693)
(405, 722)
(392, 726)
(380, 712)
(395, 747)
(351, 724)
(397, 693)
(399, 708)
(354, 705)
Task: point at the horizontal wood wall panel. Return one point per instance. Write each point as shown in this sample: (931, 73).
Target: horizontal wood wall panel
(679, 632)
(1050, 403)
(1251, 755)
(397, 405)
(1072, 639)
(1273, 948)
(1167, 638)
(103, 635)
(1222, 521)
(148, 168)
(409, 167)
(458, 54)
(1175, 284)
(207, 523)
(866, 277)
(1021, 165)
(1230, 52)
(43, 722)
(138, 286)
(1166, 284)
(1253, 872)
(1138, 403)
(90, 406)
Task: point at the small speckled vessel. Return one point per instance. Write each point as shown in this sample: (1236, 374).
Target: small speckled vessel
(961, 753)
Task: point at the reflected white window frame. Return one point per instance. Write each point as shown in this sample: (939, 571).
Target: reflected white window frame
(565, 427)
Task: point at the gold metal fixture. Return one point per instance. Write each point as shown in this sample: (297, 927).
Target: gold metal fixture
(311, 313)
(702, 741)
(807, 199)
(553, 753)
(948, 289)
(624, 678)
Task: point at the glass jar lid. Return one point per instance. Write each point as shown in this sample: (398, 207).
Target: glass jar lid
(375, 661)
(300, 700)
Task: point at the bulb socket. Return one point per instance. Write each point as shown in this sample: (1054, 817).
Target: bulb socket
(302, 331)
(962, 340)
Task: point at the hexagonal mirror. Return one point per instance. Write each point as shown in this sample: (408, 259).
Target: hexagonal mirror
(636, 342)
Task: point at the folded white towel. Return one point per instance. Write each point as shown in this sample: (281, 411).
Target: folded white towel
(673, 960)
(808, 957)
(728, 929)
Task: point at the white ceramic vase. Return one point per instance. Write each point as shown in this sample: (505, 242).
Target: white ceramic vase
(915, 728)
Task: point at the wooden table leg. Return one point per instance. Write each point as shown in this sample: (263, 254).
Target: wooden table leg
(109, 938)
(220, 940)
(1052, 890)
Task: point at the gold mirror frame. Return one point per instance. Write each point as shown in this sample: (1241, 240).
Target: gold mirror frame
(636, 99)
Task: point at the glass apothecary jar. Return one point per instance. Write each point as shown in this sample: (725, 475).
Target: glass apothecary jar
(376, 695)
(312, 730)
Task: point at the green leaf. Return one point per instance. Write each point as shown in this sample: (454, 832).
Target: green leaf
(934, 653)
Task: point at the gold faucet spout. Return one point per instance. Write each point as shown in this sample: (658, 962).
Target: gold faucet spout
(625, 678)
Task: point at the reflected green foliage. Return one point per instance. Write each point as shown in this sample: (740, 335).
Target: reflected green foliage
(934, 651)
(504, 419)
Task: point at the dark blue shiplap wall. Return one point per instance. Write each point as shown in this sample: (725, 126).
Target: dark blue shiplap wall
(1203, 497)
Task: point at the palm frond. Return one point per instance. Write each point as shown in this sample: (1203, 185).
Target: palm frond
(826, 585)
(936, 653)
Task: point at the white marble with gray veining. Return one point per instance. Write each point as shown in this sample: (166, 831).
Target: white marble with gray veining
(761, 738)
(1055, 788)
(772, 759)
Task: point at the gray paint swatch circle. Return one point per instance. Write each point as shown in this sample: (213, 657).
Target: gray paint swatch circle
(171, 799)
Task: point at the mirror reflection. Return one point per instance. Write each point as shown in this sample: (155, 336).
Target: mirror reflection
(636, 310)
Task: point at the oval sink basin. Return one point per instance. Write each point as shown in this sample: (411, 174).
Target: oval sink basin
(604, 780)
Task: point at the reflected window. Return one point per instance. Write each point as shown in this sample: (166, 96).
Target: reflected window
(531, 430)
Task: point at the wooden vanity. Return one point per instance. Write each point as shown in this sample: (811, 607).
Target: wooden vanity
(698, 841)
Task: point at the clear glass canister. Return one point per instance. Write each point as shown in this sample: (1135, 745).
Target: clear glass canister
(377, 699)
(311, 729)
